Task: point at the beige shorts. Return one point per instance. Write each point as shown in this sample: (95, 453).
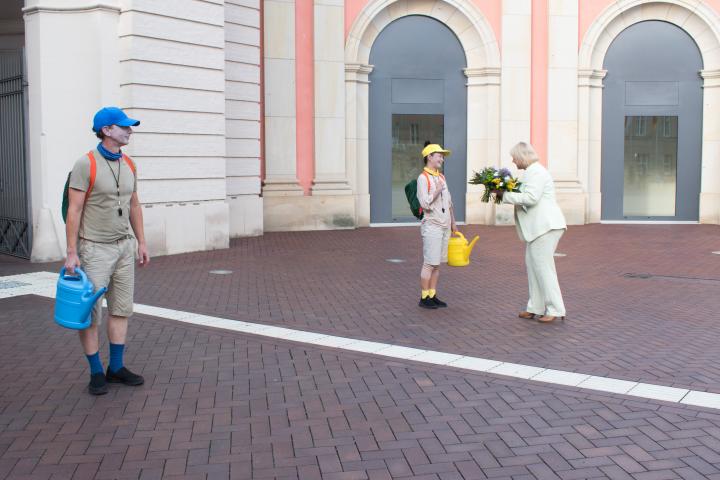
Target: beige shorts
(110, 265)
(435, 243)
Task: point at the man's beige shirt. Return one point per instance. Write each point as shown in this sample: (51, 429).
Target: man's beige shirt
(100, 221)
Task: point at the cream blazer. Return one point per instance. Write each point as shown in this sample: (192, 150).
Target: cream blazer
(536, 210)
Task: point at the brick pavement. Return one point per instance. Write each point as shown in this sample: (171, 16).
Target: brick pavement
(223, 405)
(657, 330)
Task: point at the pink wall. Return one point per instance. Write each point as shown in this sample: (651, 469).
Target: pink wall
(352, 10)
(492, 9)
(305, 94)
(539, 78)
(590, 9)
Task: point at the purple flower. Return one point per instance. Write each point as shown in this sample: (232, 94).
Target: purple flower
(504, 172)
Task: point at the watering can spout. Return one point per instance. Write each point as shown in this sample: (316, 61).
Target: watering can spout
(471, 246)
(92, 298)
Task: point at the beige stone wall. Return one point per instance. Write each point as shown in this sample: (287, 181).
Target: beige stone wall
(514, 88)
(172, 77)
(562, 115)
(329, 68)
(280, 104)
(243, 116)
(73, 68)
(190, 71)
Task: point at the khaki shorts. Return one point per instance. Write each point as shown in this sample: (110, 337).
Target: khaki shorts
(435, 243)
(110, 265)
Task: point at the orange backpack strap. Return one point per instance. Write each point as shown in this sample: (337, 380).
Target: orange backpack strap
(427, 177)
(93, 174)
(130, 164)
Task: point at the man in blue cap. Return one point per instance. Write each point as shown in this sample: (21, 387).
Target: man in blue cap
(103, 209)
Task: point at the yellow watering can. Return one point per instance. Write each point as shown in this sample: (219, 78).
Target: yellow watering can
(459, 250)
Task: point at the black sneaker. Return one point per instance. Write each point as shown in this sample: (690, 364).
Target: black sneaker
(97, 385)
(125, 377)
(438, 302)
(427, 302)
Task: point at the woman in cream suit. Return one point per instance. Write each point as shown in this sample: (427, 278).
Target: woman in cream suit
(540, 224)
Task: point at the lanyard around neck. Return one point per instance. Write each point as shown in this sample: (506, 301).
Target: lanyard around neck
(117, 182)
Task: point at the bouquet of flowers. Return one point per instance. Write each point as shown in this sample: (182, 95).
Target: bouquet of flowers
(495, 179)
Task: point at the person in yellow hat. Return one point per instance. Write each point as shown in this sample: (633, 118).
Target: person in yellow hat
(437, 223)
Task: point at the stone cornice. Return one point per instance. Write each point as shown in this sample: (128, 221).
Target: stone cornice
(711, 78)
(76, 8)
(482, 72)
(483, 76)
(358, 68)
(591, 77)
(357, 72)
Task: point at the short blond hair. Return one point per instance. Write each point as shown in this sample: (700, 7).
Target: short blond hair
(525, 153)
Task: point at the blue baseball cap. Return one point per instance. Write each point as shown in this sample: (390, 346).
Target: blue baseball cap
(107, 116)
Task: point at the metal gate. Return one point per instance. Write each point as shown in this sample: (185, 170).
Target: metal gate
(15, 236)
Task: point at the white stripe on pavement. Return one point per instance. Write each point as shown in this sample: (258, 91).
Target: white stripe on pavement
(43, 283)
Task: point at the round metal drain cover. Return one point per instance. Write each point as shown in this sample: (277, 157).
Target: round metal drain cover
(221, 272)
(395, 260)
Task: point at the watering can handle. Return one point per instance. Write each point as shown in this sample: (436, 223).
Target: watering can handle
(79, 271)
(459, 233)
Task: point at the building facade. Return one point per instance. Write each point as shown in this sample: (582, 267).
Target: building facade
(282, 115)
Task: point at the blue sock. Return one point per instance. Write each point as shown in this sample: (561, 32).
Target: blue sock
(95, 363)
(116, 356)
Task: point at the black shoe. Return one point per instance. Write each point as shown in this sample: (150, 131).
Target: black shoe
(438, 302)
(97, 385)
(427, 302)
(125, 377)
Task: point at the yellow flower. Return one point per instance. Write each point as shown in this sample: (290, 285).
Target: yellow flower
(496, 181)
(511, 186)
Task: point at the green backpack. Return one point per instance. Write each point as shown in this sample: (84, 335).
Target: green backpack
(411, 195)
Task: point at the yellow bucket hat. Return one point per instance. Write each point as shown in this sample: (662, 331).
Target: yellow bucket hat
(434, 148)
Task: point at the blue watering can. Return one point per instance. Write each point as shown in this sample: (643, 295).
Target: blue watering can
(75, 299)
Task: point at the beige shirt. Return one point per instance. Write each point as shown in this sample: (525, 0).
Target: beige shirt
(100, 221)
(434, 214)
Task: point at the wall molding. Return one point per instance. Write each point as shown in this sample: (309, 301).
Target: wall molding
(91, 7)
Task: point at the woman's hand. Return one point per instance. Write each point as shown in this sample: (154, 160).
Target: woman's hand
(453, 227)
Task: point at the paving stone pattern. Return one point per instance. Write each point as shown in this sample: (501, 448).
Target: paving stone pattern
(218, 404)
(656, 330)
(223, 405)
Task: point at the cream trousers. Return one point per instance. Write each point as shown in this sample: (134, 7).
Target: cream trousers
(545, 296)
